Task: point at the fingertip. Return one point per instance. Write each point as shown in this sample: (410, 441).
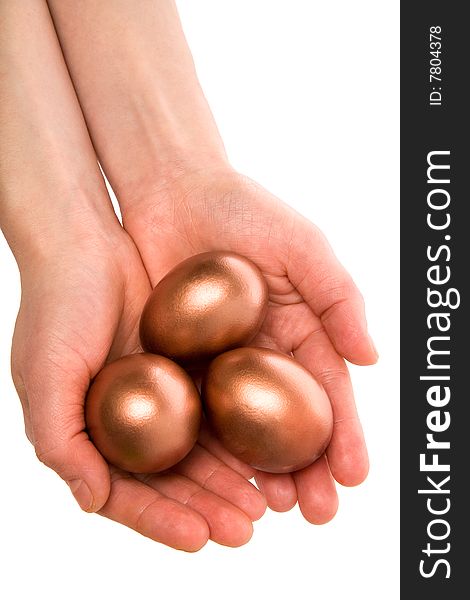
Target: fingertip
(322, 512)
(352, 342)
(81, 466)
(259, 510)
(184, 529)
(195, 549)
(318, 499)
(154, 515)
(254, 505)
(240, 532)
(192, 535)
(82, 494)
(228, 524)
(373, 349)
(92, 486)
(361, 360)
(362, 353)
(247, 534)
(351, 475)
(279, 490)
(348, 457)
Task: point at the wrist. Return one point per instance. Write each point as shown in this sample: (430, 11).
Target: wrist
(162, 183)
(42, 231)
(139, 92)
(166, 135)
(161, 190)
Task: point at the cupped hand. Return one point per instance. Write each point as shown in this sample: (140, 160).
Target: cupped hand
(315, 310)
(80, 307)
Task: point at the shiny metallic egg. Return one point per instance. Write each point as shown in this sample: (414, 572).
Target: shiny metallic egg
(267, 409)
(207, 304)
(143, 413)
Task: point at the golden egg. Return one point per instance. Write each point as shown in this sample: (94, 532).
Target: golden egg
(207, 304)
(266, 409)
(143, 413)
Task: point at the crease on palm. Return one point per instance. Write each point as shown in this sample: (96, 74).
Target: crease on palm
(290, 321)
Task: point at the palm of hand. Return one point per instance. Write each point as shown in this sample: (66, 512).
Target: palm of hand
(315, 311)
(77, 308)
(83, 309)
(86, 310)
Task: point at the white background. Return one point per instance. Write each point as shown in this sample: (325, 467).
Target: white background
(306, 96)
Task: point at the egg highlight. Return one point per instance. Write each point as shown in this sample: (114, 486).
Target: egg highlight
(143, 413)
(267, 409)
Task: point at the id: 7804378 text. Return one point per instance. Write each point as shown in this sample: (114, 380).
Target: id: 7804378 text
(435, 65)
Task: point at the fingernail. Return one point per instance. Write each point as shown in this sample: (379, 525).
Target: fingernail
(371, 341)
(82, 493)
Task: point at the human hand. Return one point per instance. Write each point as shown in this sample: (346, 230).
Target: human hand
(160, 149)
(315, 310)
(83, 287)
(80, 307)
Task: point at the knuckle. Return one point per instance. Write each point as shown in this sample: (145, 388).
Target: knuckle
(335, 376)
(339, 291)
(346, 287)
(52, 456)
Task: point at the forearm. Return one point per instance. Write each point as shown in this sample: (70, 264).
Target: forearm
(138, 89)
(49, 178)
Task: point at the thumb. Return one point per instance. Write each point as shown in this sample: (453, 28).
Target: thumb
(330, 292)
(56, 404)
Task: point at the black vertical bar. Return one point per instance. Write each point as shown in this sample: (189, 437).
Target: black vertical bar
(434, 118)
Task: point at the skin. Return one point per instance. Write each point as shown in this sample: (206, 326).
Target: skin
(85, 278)
(83, 289)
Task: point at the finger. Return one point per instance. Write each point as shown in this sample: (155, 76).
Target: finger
(212, 474)
(331, 293)
(153, 515)
(279, 490)
(347, 453)
(212, 445)
(316, 489)
(228, 525)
